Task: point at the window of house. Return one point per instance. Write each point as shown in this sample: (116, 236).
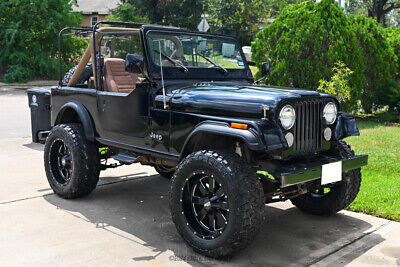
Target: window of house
(94, 20)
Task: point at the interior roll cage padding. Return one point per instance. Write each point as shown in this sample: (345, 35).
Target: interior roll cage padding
(83, 115)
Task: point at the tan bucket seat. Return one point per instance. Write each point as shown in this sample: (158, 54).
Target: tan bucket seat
(117, 79)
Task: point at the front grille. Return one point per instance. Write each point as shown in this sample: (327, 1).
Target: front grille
(307, 130)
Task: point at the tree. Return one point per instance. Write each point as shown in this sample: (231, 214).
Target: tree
(127, 12)
(180, 13)
(378, 9)
(275, 7)
(240, 18)
(304, 43)
(28, 37)
(184, 13)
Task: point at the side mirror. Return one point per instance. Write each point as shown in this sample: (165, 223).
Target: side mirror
(134, 63)
(265, 69)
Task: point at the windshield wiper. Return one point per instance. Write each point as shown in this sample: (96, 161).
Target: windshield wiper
(176, 63)
(219, 67)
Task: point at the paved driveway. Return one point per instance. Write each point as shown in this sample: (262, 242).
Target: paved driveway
(126, 220)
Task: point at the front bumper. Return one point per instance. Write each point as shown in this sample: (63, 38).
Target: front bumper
(312, 171)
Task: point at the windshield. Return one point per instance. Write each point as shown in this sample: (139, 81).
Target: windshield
(187, 51)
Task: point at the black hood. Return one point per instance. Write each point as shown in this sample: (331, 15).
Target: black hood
(235, 100)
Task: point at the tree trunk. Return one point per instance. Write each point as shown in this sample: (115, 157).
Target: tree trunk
(378, 10)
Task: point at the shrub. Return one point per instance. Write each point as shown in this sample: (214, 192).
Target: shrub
(389, 117)
(29, 37)
(304, 43)
(338, 85)
(393, 37)
(379, 61)
(391, 98)
(307, 39)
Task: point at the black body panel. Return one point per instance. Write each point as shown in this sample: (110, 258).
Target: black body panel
(137, 121)
(198, 101)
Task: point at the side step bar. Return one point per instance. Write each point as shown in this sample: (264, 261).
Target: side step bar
(43, 135)
(127, 157)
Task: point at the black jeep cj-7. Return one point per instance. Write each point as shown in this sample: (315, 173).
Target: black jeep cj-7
(185, 103)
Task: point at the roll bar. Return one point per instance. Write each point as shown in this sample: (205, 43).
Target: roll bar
(79, 30)
(91, 49)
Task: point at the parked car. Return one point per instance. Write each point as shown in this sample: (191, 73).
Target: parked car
(228, 145)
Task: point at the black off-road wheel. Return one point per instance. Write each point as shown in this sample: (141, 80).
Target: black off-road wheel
(72, 163)
(328, 200)
(217, 202)
(165, 171)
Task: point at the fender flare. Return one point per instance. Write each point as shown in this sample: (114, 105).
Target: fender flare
(83, 115)
(248, 136)
(345, 126)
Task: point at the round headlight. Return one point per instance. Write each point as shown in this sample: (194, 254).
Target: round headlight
(330, 113)
(287, 116)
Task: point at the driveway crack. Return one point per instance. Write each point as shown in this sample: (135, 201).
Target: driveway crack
(348, 244)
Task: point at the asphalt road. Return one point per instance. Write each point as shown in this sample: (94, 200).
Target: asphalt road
(126, 220)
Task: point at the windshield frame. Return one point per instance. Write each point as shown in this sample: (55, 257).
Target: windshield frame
(173, 72)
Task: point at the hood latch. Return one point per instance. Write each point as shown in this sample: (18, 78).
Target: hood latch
(265, 109)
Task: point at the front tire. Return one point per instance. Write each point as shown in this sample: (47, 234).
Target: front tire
(72, 163)
(217, 202)
(339, 196)
(165, 171)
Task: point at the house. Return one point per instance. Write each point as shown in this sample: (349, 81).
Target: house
(94, 10)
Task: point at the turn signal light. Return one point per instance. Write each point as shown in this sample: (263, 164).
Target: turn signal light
(239, 126)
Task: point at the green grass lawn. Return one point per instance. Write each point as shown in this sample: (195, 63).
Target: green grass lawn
(380, 188)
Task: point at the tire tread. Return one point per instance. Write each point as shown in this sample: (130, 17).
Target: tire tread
(251, 198)
(88, 168)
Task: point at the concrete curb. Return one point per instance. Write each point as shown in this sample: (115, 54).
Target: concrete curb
(30, 84)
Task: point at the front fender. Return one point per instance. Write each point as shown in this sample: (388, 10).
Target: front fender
(83, 116)
(346, 126)
(250, 137)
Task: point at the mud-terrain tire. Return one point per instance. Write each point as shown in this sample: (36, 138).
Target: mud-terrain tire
(164, 171)
(72, 163)
(85, 76)
(231, 188)
(340, 195)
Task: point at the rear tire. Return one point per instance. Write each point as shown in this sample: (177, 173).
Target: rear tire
(340, 196)
(221, 187)
(72, 163)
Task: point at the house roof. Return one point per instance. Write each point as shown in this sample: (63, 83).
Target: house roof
(95, 6)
